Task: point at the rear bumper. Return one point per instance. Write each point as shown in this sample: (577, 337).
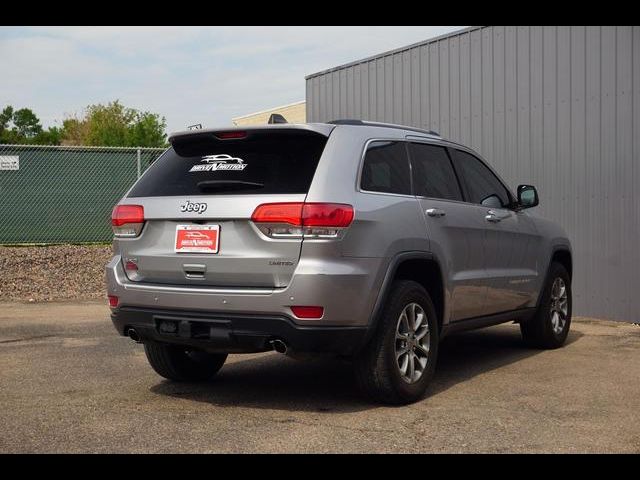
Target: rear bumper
(347, 289)
(232, 333)
(246, 320)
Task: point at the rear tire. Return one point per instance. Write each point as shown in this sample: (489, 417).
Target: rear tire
(549, 328)
(182, 365)
(383, 372)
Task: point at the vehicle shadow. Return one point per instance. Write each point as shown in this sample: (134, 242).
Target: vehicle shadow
(273, 381)
(469, 354)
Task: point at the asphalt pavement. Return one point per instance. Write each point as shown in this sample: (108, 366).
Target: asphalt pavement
(69, 383)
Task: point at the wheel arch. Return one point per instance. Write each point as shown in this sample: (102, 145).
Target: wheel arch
(562, 255)
(421, 267)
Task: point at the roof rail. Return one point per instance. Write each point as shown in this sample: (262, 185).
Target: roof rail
(379, 124)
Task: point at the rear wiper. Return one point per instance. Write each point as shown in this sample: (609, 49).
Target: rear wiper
(228, 185)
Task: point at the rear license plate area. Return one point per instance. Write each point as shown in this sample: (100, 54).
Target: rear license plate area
(197, 239)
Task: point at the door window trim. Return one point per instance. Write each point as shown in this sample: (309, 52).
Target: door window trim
(361, 168)
(449, 150)
(455, 173)
(465, 194)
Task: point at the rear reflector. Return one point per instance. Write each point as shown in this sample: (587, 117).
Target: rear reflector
(230, 135)
(308, 312)
(113, 301)
(127, 220)
(131, 266)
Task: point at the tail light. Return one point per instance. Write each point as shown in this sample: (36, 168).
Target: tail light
(113, 301)
(298, 219)
(127, 220)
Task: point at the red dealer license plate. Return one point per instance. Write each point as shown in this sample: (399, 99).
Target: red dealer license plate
(197, 238)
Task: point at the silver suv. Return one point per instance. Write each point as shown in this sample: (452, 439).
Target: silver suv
(364, 240)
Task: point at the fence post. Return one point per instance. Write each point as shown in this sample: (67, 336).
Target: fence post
(138, 161)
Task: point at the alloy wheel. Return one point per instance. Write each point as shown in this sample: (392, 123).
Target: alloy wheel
(412, 343)
(559, 305)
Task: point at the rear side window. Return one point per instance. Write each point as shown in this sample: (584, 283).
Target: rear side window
(481, 185)
(386, 168)
(433, 174)
(265, 162)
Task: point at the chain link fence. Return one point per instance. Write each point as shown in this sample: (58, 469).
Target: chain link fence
(63, 194)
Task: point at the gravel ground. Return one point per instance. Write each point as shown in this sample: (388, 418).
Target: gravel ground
(52, 273)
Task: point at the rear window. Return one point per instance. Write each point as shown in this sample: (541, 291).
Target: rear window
(265, 162)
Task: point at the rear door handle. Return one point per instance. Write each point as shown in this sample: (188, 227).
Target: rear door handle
(436, 212)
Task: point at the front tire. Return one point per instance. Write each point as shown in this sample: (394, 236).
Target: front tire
(399, 361)
(549, 328)
(182, 365)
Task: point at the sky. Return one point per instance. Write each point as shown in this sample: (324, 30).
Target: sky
(189, 75)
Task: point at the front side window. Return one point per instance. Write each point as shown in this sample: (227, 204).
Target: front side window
(433, 174)
(386, 168)
(481, 185)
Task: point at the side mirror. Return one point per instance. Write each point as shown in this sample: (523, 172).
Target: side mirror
(527, 196)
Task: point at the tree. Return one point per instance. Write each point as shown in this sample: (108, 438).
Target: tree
(115, 125)
(7, 135)
(111, 125)
(52, 136)
(5, 118)
(74, 131)
(23, 126)
(148, 130)
(26, 123)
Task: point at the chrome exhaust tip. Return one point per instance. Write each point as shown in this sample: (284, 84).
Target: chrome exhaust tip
(279, 346)
(133, 335)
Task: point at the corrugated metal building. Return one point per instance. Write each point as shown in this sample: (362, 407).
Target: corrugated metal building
(558, 107)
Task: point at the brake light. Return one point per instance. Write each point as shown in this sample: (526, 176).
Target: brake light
(327, 215)
(308, 312)
(290, 213)
(298, 219)
(127, 220)
(235, 134)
